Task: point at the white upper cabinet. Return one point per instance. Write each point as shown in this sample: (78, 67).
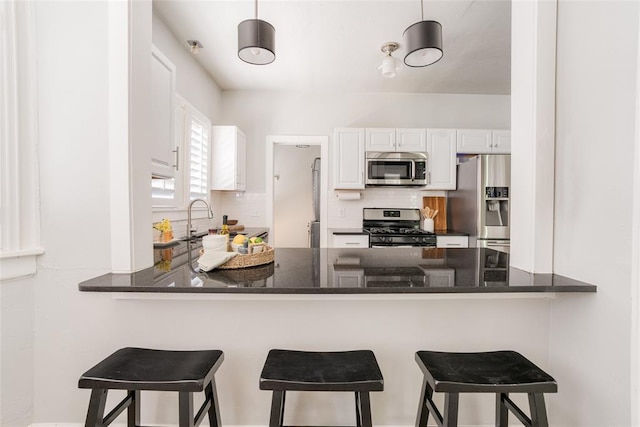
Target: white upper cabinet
(380, 139)
(441, 159)
(228, 159)
(501, 140)
(164, 152)
(392, 139)
(484, 141)
(348, 158)
(411, 140)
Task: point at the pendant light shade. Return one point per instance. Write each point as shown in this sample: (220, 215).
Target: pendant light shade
(423, 42)
(256, 41)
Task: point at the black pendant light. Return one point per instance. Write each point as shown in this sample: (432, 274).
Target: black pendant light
(423, 42)
(256, 41)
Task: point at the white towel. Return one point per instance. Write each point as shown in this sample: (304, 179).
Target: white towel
(211, 259)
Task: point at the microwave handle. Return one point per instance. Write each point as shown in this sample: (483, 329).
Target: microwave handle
(413, 170)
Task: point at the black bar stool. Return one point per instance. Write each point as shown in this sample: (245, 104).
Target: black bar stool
(500, 372)
(355, 371)
(136, 369)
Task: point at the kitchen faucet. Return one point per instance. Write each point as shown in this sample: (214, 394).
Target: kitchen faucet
(209, 214)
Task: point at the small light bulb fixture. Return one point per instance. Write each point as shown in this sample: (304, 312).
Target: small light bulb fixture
(256, 41)
(390, 65)
(423, 42)
(195, 46)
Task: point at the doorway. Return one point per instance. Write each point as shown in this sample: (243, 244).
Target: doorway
(289, 188)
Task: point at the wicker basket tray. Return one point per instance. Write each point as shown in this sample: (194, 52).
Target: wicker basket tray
(249, 260)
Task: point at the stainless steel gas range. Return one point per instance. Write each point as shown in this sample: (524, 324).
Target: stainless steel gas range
(396, 228)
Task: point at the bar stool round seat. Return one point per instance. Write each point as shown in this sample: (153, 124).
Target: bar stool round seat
(138, 369)
(351, 371)
(500, 372)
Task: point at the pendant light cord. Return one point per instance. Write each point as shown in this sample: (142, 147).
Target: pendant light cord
(421, 9)
(256, 9)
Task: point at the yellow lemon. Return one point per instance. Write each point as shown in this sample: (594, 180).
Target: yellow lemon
(239, 239)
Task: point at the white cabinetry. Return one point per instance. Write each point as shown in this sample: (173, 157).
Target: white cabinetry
(441, 159)
(228, 159)
(501, 140)
(164, 152)
(350, 241)
(348, 158)
(484, 141)
(380, 139)
(392, 139)
(452, 241)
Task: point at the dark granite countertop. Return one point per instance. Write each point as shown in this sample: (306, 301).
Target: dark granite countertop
(340, 271)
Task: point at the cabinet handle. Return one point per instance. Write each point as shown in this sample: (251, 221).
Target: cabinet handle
(351, 243)
(177, 165)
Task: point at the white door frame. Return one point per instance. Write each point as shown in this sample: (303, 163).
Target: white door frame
(323, 142)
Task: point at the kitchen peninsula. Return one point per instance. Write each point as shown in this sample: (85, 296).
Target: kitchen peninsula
(341, 271)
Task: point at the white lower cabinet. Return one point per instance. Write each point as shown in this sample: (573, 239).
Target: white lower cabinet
(452, 241)
(350, 241)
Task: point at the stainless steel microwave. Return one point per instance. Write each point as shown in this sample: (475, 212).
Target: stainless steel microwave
(395, 169)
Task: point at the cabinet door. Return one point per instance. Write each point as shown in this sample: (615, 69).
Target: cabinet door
(472, 141)
(164, 152)
(501, 141)
(381, 139)
(411, 140)
(241, 161)
(228, 159)
(452, 241)
(350, 241)
(348, 158)
(441, 159)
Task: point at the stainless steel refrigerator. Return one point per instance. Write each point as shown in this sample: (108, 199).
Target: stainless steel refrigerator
(480, 205)
(314, 225)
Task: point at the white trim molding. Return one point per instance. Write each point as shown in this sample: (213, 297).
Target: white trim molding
(19, 188)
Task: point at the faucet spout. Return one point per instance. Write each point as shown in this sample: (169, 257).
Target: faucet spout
(209, 214)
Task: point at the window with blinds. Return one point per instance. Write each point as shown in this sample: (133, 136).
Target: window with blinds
(198, 156)
(193, 134)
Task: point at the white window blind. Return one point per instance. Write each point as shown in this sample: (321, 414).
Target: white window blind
(199, 155)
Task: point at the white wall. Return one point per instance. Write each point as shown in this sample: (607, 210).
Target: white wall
(260, 114)
(193, 83)
(596, 114)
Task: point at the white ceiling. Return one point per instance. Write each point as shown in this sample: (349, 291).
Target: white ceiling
(334, 45)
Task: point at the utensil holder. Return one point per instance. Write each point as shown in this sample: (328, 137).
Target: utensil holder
(427, 224)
